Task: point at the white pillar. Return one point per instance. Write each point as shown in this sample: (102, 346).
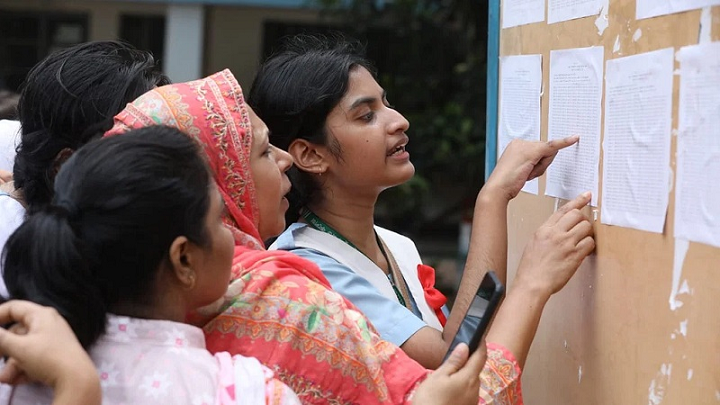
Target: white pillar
(184, 29)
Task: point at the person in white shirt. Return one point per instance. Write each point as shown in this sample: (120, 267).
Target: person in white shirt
(9, 140)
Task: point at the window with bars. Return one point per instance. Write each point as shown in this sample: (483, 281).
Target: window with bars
(146, 32)
(28, 37)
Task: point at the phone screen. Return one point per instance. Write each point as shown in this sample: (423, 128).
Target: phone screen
(479, 313)
(475, 313)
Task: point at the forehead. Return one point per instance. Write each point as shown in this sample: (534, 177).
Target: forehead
(361, 83)
(258, 130)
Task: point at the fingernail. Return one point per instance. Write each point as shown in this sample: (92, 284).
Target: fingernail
(587, 194)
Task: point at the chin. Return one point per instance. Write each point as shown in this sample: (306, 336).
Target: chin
(406, 173)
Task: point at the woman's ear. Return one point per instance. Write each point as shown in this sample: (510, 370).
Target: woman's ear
(183, 256)
(60, 159)
(309, 157)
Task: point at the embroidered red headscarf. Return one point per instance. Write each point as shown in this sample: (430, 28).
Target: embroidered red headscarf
(213, 111)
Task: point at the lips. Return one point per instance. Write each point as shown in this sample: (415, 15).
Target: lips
(287, 186)
(399, 147)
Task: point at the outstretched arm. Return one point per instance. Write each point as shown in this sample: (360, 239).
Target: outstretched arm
(549, 261)
(521, 161)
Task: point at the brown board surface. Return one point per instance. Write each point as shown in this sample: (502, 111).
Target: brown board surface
(610, 337)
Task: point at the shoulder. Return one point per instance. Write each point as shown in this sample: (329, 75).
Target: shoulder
(286, 240)
(394, 238)
(9, 139)
(11, 209)
(139, 372)
(12, 215)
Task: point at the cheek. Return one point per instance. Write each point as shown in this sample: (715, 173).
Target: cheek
(228, 250)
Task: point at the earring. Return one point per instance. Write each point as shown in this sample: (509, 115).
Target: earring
(191, 282)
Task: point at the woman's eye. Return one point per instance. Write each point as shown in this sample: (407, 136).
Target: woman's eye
(368, 117)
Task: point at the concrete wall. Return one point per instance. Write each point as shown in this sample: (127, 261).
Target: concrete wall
(233, 34)
(103, 17)
(234, 37)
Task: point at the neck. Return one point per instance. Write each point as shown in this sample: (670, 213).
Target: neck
(353, 218)
(160, 309)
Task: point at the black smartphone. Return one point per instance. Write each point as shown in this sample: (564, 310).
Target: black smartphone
(481, 311)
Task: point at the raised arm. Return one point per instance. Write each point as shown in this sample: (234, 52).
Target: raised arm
(521, 161)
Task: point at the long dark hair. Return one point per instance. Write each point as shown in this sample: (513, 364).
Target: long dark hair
(70, 98)
(294, 92)
(119, 203)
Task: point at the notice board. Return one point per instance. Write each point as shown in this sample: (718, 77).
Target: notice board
(640, 321)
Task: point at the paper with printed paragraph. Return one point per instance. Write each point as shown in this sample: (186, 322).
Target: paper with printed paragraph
(655, 8)
(519, 115)
(575, 109)
(636, 146)
(564, 10)
(521, 12)
(697, 189)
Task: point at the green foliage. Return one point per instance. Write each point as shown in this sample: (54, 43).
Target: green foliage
(431, 58)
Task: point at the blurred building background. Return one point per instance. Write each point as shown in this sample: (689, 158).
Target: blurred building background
(191, 38)
(430, 55)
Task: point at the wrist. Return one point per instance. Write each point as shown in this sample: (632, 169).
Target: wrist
(491, 195)
(81, 386)
(534, 291)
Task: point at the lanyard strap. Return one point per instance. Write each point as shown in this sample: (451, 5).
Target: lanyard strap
(322, 226)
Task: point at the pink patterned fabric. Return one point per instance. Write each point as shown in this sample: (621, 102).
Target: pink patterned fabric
(144, 361)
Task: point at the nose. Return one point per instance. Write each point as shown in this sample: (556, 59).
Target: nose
(398, 123)
(284, 159)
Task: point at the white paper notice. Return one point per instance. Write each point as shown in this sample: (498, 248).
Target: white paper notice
(697, 191)
(519, 116)
(520, 12)
(563, 10)
(575, 109)
(636, 159)
(654, 8)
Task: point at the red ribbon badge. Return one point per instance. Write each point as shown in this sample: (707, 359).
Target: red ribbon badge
(433, 296)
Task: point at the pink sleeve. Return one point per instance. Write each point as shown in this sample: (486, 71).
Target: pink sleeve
(249, 383)
(277, 393)
(500, 378)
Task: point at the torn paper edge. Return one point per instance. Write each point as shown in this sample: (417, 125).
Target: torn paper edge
(658, 386)
(681, 248)
(704, 36)
(616, 47)
(637, 35)
(602, 21)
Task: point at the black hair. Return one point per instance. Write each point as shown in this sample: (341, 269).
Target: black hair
(119, 203)
(70, 98)
(295, 90)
